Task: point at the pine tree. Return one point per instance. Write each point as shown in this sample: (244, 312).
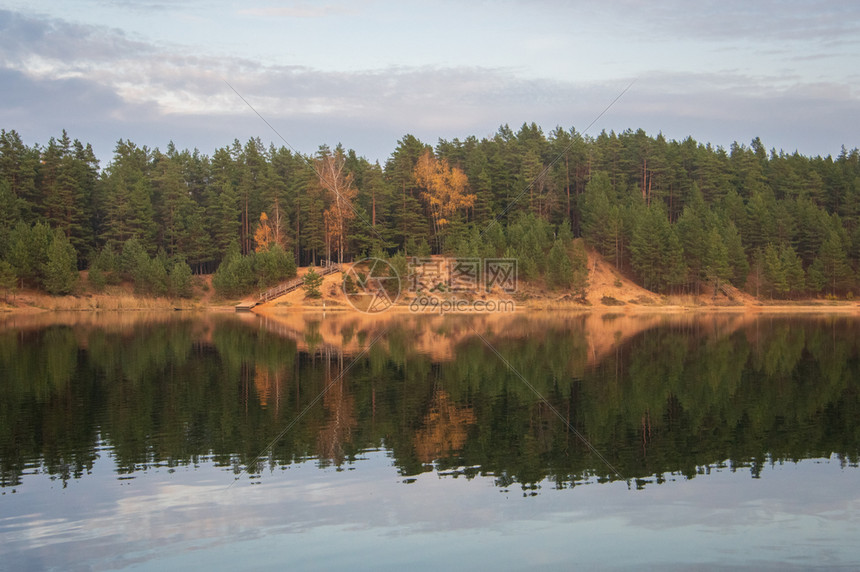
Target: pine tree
(692, 227)
(9, 214)
(774, 273)
(133, 260)
(60, 269)
(646, 247)
(795, 278)
(717, 267)
(675, 270)
(127, 193)
(559, 272)
(311, 284)
(8, 279)
(596, 207)
(28, 252)
(224, 219)
(18, 167)
(830, 270)
(737, 258)
(155, 280)
(579, 259)
(170, 200)
(180, 280)
(197, 245)
(273, 265)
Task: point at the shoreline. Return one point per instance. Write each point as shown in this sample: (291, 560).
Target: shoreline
(124, 304)
(535, 301)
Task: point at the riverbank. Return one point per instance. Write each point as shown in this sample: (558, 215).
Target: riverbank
(608, 292)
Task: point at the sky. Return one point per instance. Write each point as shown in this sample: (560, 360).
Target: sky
(365, 73)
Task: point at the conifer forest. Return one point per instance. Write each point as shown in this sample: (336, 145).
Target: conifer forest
(675, 216)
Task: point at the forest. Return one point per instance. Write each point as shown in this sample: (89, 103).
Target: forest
(678, 217)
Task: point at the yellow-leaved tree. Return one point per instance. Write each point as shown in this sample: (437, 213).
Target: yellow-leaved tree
(338, 182)
(264, 236)
(445, 190)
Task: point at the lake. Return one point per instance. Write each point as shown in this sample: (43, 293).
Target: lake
(545, 441)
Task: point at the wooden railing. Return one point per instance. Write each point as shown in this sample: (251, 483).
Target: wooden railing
(327, 267)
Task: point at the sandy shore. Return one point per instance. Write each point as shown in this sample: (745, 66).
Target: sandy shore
(608, 292)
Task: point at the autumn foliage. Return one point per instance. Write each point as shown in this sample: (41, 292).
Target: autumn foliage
(264, 235)
(445, 189)
(338, 183)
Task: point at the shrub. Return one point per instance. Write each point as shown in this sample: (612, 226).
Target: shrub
(311, 284)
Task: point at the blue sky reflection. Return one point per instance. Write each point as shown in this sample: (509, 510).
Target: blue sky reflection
(366, 517)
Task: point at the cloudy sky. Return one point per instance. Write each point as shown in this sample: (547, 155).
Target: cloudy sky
(367, 72)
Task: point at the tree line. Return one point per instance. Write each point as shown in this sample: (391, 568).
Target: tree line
(677, 216)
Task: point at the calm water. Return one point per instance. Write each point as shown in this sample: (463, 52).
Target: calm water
(507, 442)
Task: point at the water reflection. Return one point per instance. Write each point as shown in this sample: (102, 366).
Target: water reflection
(656, 395)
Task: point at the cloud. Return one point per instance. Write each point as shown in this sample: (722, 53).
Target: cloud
(103, 86)
(297, 10)
(729, 20)
(25, 38)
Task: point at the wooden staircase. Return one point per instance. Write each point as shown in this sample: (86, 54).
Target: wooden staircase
(326, 267)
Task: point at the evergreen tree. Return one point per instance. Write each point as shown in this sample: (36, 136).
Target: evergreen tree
(60, 270)
(106, 266)
(692, 229)
(311, 283)
(657, 254)
(596, 212)
(28, 252)
(9, 214)
(97, 278)
(273, 265)
(18, 167)
(830, 270)
(717, 260)
(235, 275)
(180, 280)
(155, 280)
(133, 261)
(675, 270)
(795, 278)
(559, 272)
(127, 195)
(8, 279)
(530, 237)
(579, 260)
(774, 273)
(737, 258)
(197, 245)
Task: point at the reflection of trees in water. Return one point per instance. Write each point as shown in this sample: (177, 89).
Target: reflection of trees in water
(444, 429)
(340, 416)
(269, 386)
(670, 399)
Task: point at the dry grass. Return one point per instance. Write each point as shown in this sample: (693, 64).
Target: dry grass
(113, 299)
(116, 302)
